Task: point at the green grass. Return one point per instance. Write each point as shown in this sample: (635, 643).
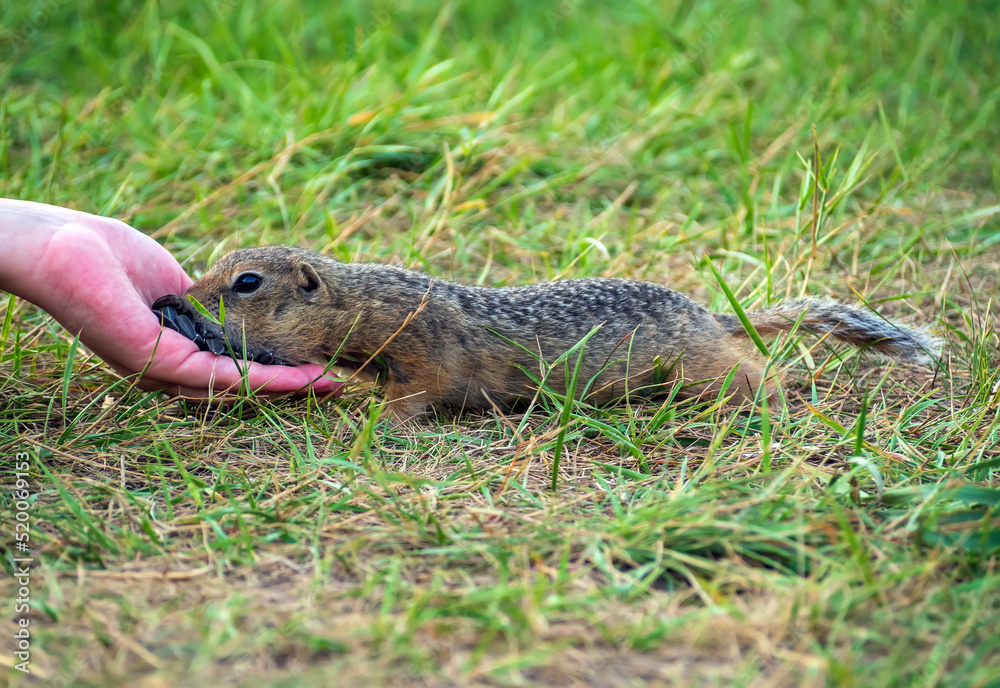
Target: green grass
(846, 537)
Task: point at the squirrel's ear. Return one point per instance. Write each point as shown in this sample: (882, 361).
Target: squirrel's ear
(306, 277)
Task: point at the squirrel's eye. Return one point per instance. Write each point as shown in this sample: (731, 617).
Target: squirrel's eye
(247, 283)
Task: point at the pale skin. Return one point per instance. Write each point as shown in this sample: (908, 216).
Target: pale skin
(97, 277)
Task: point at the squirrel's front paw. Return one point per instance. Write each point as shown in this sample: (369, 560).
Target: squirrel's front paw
(406, 411)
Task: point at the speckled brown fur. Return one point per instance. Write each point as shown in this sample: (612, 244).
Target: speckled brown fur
(463, 348)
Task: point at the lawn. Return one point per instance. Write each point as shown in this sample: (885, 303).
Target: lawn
(846, 536)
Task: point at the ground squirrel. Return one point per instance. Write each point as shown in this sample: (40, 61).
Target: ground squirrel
(459, 347)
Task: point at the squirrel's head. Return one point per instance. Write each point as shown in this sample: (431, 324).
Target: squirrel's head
(270, 298)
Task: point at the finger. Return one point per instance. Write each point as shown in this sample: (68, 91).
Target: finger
(201, 368)
(202, 394)
(177, 362)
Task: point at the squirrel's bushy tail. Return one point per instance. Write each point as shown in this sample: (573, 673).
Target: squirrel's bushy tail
(851, 324)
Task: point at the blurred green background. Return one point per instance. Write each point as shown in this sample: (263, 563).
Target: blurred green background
(141, 109)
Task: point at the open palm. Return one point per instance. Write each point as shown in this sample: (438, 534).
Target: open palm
(98, 277)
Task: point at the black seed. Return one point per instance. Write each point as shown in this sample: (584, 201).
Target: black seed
(186, 327)
(216, 346)
(172, 300)
(165, 321)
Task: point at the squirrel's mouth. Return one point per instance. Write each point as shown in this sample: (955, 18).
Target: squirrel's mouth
(176, 313)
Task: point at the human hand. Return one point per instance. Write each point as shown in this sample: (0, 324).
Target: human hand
(98, 277)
